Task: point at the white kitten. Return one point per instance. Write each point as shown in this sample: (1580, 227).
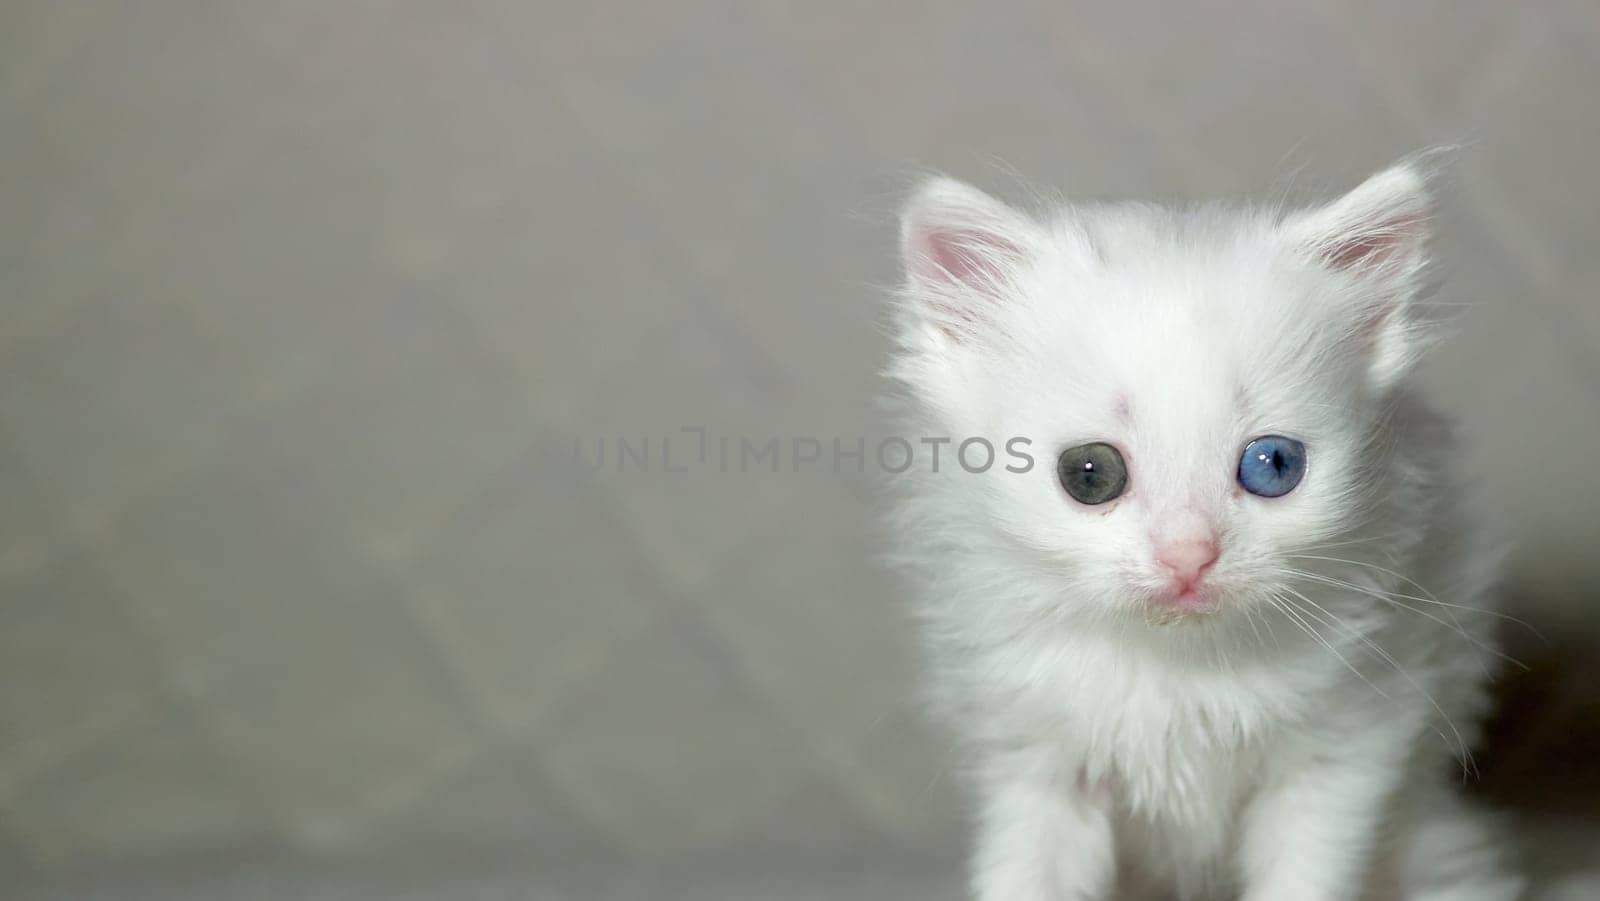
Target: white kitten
(1228, 635)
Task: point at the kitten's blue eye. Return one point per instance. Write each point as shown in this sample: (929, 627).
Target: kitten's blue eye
(1272, 465)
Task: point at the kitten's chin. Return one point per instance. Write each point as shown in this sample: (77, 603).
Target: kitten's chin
(1176, 608)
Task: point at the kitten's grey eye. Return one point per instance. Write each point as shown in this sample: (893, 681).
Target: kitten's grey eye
(1092, 473)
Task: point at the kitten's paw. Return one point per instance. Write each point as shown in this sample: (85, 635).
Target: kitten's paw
(1459, 854)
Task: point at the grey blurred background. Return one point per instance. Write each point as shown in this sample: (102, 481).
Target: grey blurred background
(292, 293)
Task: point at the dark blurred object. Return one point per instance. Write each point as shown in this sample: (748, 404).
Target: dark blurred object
(1541, 752)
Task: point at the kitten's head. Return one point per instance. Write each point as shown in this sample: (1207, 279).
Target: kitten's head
(1204, 390)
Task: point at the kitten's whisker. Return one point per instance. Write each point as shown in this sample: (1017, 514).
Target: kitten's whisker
(1250, 618)
(1460, 740)
(1267, 621)
(1369, 539)
(1388, 572)
(1430, 599)
(1393, 600)
(1379, 594)
(1281, 604)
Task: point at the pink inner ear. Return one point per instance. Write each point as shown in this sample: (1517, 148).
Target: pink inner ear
(968, 258)
(963, 256)
(1393, 239)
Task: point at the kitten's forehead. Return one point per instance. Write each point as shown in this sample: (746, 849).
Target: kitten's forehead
(1133, 234)
(1188, 315)
(1182, 325)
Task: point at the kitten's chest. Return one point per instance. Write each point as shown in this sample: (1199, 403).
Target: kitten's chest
(1175, 766)
(1177, 803)
(1182, 748)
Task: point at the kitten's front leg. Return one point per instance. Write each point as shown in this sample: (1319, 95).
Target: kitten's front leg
(1310, 835)
(1040, 840)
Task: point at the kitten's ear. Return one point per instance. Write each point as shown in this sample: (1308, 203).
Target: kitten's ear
(961, 249)
(1379, 231)
(1378, 234)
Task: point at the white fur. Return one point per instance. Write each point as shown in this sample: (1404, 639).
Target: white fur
(1297, 743)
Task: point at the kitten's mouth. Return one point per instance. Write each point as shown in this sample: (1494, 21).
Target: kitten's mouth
(1190, 603)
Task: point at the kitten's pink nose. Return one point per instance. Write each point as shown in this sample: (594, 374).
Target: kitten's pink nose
(1186, 561)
